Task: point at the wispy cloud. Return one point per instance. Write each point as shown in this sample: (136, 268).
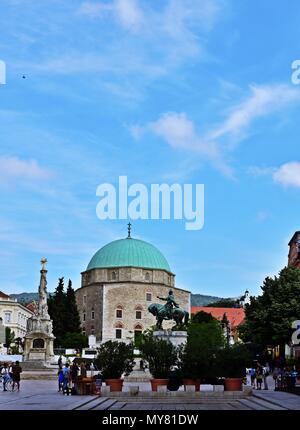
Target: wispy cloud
(14, 168)
(180, 132)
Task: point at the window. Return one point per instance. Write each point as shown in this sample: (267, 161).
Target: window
(83, 330)
(113, 276)
(138, 315)
(83, 317)
(118, 333)
(147, 276)
(92, 329)
(119, 313)
(93, 315)
(7, 317)
(149, 297)
(84, 300)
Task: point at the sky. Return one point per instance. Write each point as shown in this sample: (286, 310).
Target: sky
(170, 91)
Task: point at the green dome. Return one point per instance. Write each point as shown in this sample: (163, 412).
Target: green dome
(129, 253)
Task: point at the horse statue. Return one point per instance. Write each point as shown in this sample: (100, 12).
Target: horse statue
(180, 316)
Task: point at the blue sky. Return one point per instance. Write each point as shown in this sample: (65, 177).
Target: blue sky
(186, 91)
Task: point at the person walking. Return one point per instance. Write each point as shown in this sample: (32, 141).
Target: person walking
(5, 373)
(252, 376)
(67, 378)
(16, 375)
(259, 377)
(60, 375)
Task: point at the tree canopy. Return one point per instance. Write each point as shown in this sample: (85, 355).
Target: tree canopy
(269, 317)
(64, 314)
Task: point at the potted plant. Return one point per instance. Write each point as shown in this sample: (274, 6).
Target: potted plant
(231, 365)
(198, 355)
(115, 359)
(161, 355)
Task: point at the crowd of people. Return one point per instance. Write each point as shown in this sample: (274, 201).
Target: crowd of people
(284, 376)
(11, 375)
(68, 376)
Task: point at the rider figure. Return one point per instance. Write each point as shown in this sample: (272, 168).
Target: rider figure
(170, 303)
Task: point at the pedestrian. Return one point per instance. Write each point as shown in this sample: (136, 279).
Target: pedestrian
(67, 378)
(74, 373)
(16, 375)
(252, 376)
(83, 370)
(60, 375)
(259, 377)
(266, 373)
(5, 373)
(59, 362)
(275, 376)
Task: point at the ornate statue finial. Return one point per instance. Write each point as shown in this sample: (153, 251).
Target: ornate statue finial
(129, 231)
(44, 261)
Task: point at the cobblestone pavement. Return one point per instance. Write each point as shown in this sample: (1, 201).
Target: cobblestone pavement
(43, 395)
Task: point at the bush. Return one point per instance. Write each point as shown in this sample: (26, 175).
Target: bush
(115, 358)
(198, 356)
(159, 354)
(232, 361)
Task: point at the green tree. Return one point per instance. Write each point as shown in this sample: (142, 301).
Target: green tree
(9, 337)
(198, 355)
(224, 303)
(75, 340)
(202, 317)
(72, 323)
(57, 312)
(269, 317)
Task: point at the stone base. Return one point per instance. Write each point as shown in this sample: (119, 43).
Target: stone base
(175, 337)
(35, 365)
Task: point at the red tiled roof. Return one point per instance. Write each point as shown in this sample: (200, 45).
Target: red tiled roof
(235, 316)
(3, 295)
(30, 306)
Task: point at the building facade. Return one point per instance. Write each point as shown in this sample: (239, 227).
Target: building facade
(294, 250)
(14, 315)
(122, 279)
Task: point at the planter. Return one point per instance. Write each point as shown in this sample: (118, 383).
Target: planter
(156, 382)
(233, 384)
(114, 384)
(195, 382)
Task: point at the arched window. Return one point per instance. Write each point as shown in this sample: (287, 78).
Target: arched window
(147, 276)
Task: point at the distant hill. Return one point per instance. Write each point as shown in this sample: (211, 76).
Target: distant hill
(196, 299)
(203, 300)
(25, 298)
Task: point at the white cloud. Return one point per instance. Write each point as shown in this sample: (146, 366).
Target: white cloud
(262, 101)
(288, 174)
(181, 134)
(12, 168)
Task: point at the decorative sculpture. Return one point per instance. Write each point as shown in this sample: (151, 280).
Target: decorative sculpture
(169, 311)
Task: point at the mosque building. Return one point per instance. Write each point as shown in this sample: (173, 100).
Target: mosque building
(122, 279)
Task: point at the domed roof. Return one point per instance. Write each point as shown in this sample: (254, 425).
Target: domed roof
(129, 253)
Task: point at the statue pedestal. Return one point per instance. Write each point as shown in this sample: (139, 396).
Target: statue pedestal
(38, 347)
(176, 337)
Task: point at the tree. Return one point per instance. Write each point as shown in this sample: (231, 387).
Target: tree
(75, 340)
(9, 337)
(269, 317)
(202, 317)
(198, 355)
(72, 323)
(57, 311)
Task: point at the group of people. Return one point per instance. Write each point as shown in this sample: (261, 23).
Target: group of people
(68, 376)
(258, 376)
(11, 374)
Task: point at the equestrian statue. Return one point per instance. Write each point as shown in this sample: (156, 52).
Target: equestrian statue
(169, 311)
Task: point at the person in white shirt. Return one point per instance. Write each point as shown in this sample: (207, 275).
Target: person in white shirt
(5, 373)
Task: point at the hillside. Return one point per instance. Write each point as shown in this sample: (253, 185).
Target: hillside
(196, 299)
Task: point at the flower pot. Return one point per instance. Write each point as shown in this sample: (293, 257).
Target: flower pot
(233, 384)
(114, 384)
(195, 382)
(156, 382)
